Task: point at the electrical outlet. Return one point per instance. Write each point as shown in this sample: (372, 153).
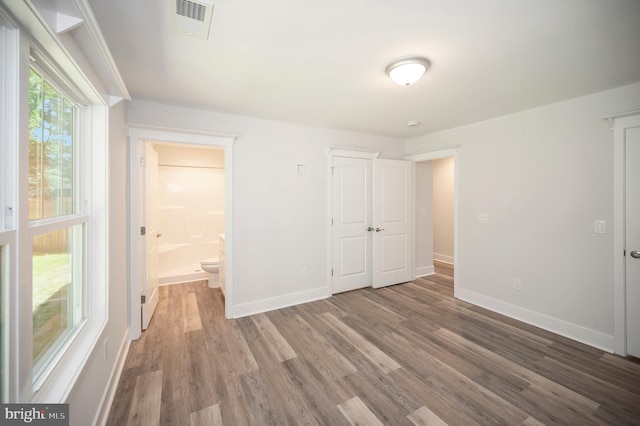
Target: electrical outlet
(483, 217)
(303, 272)
(517, 284)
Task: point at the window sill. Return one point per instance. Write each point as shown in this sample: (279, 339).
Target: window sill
(56, 385)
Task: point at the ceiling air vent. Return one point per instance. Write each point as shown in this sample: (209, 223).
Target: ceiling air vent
(192, 17)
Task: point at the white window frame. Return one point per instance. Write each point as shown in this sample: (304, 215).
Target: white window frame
(58, 381)
(79, 217)
(9, 78)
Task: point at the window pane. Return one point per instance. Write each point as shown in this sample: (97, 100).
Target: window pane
(51, 150)
(58, 269)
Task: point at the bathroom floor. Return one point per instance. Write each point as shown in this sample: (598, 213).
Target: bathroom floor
(406, 354)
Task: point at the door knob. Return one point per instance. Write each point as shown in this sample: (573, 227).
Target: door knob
(635, 254)
(378, 229)
(369, 229)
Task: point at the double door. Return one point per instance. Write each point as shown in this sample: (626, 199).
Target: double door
(372, 223)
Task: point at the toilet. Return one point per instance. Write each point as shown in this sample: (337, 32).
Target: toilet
(210, 265)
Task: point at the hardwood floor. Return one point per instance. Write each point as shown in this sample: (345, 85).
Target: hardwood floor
(409, 354)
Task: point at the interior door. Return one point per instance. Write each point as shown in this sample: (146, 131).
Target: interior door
(149, 289)
(632, 238)
(351, 208)
(393, 222)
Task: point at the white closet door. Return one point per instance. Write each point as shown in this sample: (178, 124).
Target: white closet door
(393, 222)
(351, 220)
(632, 238)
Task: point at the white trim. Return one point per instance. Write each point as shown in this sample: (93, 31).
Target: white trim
(8, 310)
(424, 271)
(160, 131)
(620, 122)
(279, 302)
(45, 39)
(435, 155)
(102, 48)
(137, 135)
(352, 153)
(444, 258)
(613, 117)
(104, 407)
(563, 328)
(9, 120)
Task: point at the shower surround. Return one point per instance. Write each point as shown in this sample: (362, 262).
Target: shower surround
(190, 209)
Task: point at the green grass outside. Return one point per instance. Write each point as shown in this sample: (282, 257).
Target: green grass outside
(51, 272)
(51, 282)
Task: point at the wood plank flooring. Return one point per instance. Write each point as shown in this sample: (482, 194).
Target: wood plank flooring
(409, 354)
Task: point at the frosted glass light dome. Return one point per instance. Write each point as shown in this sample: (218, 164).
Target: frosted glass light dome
(408, 70)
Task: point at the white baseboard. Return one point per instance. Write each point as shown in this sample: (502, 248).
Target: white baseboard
(443, 258)
(273, 303)
(183, 278)
(423, 271)
(563, 328)
(114, 378)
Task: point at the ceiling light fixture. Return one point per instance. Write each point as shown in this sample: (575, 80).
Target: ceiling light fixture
(406, 71)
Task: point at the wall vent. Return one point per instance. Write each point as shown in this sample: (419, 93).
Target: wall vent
(189, 9)
(192, 17)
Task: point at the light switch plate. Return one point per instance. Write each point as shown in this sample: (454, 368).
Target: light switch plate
(483, 217)
(600, 226)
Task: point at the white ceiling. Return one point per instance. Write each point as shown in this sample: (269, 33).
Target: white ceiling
(322, 63)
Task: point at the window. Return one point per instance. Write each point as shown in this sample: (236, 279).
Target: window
(54, 200)
(56, 222)
(51, 150)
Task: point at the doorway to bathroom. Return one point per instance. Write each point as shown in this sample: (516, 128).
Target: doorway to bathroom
(193, 210)
(190, 210)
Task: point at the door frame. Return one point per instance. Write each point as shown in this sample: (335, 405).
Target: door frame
(435, 155)
(137, 136)
(618, 123)
(148, 243)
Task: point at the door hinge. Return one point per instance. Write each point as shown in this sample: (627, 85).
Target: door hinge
(331, 221)
(332, 272)
(143, 162)
(143, 299)
(143, 230)
(332, 170)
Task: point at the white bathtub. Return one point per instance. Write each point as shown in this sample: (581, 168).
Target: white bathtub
(180, 263)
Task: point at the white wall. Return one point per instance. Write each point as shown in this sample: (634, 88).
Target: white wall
(424, 218)
(280, 217)
(443, 202)
(543, 176)
(93, 385)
